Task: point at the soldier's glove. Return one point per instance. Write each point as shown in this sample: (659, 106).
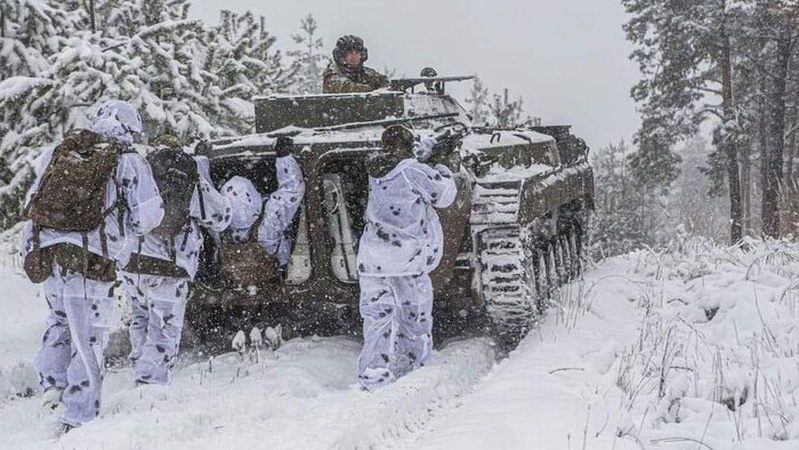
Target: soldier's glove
(202, 147)
(283, 146)
(167, 140)
(380, 81)
(423, 149)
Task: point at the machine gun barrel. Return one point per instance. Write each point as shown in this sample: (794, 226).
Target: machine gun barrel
(403, 84)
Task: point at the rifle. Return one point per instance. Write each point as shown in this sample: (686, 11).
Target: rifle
(446, 143)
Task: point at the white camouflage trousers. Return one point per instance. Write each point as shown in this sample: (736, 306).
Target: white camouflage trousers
(72, 354)
(397, 327)
(157, 306)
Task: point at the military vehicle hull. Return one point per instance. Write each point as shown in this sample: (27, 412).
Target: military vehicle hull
(513, 234)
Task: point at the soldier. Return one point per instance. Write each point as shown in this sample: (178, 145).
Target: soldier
(257, 243)
(346, 73)
(401, 244)
(93, 198)
(165, 260)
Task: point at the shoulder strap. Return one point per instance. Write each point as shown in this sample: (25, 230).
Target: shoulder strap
(202, 201)
(121, 203)
(253, 234)
(191, 219)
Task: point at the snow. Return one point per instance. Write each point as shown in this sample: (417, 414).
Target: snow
(692, 347)
(15, 86)
(497, 173)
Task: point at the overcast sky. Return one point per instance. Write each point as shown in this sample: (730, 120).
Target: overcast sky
(566, 58)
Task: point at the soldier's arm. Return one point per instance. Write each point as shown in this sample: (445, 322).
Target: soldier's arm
(214, 211)
(145, 206)
(375, 79)
(435, 184)
(282, 205)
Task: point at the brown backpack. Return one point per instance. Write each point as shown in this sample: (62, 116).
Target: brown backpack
(71, 197)
(72, 192)
(247, 263)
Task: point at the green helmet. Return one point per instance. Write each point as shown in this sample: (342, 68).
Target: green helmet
(398, 139)
(348, 43)
(167, 140)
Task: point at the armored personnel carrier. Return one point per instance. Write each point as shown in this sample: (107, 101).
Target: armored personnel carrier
(513, 234)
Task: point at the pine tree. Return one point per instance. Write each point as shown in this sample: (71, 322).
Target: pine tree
(477, 103)
(620, 220)
(308, 60)
(32, 32)
(167, 58)
(691, 208)
(507, 113)
(684, 53)
(776, 24)
(244, 65)
(25, 27)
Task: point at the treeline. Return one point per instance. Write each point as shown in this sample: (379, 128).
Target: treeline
(631, 215)
(729, 66)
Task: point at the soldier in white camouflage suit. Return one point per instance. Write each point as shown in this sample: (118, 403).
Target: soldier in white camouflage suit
(276, 213)
(401, 244)
(71, 360)
(158, 276)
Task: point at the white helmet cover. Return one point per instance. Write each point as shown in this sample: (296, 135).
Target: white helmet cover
(245, 201)
(117, 120)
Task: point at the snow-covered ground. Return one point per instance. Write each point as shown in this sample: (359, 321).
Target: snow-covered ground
(691, 348)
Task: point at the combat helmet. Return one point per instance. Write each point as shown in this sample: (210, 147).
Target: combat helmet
(397, 139)
(348, 43)
(397, 142)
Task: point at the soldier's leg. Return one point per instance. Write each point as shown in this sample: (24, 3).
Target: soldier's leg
(54, 356)
(135, 288)
(167, 304)
(377, 306)
(87, 304)
(414, 323)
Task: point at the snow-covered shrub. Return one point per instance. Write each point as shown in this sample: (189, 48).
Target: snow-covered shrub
(718, 344)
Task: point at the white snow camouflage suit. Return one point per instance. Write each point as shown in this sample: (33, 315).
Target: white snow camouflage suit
(278, 210)
(72, 353)
(401, 243)
(157, 302)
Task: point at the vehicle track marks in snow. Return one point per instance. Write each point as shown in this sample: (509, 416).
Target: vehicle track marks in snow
(398, 413)
(304, 395)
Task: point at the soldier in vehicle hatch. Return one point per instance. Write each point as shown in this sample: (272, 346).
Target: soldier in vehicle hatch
(346, 73)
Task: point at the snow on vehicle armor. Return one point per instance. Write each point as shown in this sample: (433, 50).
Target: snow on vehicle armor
(512, 236)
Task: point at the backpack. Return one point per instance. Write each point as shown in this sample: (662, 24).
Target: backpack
(71, 197)
(247, 263)
(72, 191)
(176, 175)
